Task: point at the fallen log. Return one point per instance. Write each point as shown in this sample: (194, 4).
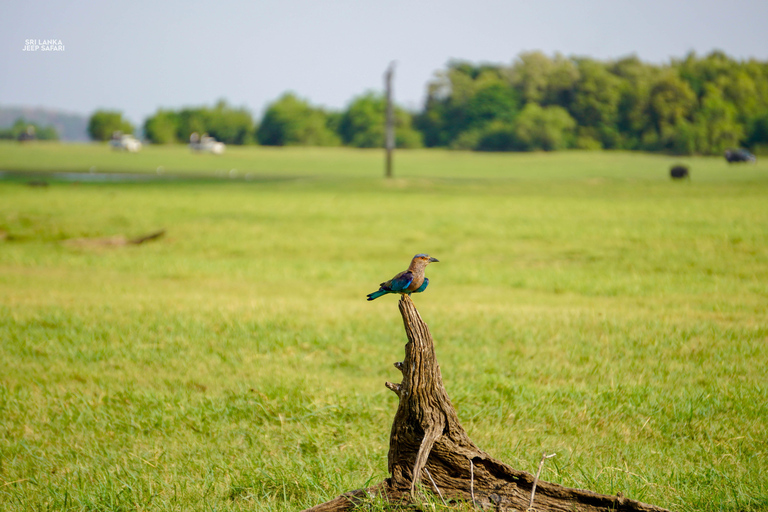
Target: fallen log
(114, 241)
(429, 451)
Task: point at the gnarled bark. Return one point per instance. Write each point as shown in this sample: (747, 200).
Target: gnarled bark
(428, 446)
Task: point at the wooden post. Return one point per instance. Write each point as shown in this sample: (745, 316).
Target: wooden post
(430, 450)
(389, 133)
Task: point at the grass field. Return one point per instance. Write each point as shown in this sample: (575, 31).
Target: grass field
(584, 304)
(260, 162)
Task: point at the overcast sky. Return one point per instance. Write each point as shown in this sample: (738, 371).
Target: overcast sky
(137, 56)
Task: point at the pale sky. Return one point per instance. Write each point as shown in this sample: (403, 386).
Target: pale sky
(136, 56)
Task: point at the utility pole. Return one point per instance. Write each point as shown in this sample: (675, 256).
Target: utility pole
(389, 137)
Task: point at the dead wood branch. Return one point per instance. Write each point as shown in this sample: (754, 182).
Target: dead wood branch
(114, 241)
(427, 438)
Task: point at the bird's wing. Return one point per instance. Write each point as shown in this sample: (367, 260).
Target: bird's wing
(400, 282)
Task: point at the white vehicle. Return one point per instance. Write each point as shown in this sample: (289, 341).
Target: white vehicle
(121, 142)
(205, 144)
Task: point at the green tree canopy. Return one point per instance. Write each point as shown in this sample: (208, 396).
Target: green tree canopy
(690, 105)
(548, 128)
(595, 105)
(544, 80)
(362, 124)
(717, 129)
(103, 123)
(496, 102)
(163, 127)
(229, 125)
(632, 120)
(222, 122)
(463, 100)
(670, 108)
(291, 121)
(757, 135)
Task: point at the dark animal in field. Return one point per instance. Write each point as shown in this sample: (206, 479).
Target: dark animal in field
(679, 172)
(739, 155)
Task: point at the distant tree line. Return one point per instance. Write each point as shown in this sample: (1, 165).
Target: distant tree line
(288, 121)
(22, 128)
(692, 105)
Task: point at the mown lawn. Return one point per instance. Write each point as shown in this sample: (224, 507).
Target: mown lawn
(584, 304)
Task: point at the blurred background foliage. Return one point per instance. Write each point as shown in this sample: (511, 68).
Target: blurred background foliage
(694, 105)
(22, 126)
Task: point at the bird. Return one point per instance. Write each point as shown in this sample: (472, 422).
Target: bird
(409, 281)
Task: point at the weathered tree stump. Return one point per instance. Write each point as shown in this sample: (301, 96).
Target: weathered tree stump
(429, 448)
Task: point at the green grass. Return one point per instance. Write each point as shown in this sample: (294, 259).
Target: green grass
(584, 305)
(275, 162)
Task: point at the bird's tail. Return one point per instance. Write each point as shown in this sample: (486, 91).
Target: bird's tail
(377, 294)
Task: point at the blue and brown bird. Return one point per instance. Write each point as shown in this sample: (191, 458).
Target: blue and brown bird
(409, 281)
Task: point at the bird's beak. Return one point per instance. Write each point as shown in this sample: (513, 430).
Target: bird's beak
(434, 260)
